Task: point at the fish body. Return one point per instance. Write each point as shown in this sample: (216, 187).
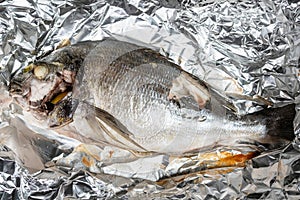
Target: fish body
(134, 97)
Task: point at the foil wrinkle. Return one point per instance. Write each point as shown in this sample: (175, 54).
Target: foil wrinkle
(240, 48)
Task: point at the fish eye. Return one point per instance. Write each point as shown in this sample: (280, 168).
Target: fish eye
(40, 71)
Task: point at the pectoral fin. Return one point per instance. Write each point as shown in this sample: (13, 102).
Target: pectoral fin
(116, 130)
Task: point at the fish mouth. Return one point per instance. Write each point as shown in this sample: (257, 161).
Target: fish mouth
(55, 95)
(54, 91)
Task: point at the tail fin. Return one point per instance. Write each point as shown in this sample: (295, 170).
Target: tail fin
(279, 121)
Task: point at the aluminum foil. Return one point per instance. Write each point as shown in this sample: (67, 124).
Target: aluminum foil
(241, 48)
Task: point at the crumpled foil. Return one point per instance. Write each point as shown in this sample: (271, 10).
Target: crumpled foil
(241, 48)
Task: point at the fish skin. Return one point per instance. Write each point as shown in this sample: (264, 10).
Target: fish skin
(163, 108)
(134, 85)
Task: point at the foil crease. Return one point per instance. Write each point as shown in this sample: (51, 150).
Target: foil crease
(240, 48)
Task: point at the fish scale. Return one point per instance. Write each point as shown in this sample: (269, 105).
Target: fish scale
(134, 90)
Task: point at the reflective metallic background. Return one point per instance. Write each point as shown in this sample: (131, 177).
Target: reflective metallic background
(251, 46)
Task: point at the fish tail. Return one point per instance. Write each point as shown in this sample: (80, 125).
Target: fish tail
(279, 121)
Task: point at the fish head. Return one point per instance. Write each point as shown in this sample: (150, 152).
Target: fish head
(40, 86)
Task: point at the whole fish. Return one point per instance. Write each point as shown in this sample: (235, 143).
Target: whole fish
(135, 98)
